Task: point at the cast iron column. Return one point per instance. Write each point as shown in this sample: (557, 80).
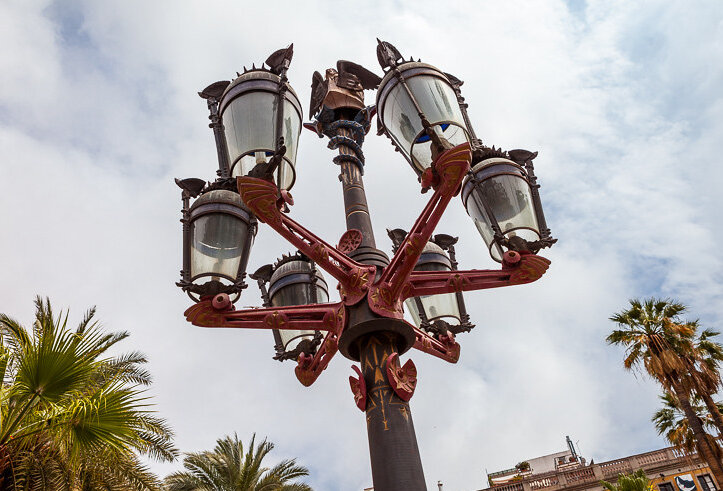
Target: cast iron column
(348, 138)
(394, 453)
(393, 449)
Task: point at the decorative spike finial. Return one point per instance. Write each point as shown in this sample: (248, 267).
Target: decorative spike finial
(387, 55)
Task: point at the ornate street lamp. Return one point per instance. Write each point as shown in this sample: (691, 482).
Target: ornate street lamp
(255, 122)
(218, 231)
(436, 314)
(292, 280)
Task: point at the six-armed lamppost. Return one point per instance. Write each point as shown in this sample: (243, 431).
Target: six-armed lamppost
(256, 120)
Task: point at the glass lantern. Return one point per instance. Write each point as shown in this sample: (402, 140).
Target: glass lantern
(293, 280)
(498, 196)
(218, 234)
(411, 96)
(445, 311)
(257, 109)
(428, 310)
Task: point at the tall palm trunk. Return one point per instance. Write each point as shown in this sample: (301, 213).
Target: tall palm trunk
(713, 410)
(708, 450)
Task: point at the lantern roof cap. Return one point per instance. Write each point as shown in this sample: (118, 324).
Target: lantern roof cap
(218, 195)
(255, 74)
(423, 68)
(492, 161)
(432, 247)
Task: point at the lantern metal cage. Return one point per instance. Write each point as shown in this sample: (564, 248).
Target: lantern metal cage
(501, 195)
(292, 280)
(441, 313)
(417, 109)
(218, 232)
(261, 117)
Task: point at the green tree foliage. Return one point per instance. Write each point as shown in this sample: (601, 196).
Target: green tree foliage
(635, 481)
(666, 347)
(72, 417)
(672, 423)
(229, 468)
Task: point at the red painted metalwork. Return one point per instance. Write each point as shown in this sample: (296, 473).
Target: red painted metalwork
(262, 198)
(403, 379)
(445, 347)
(526, 268)
(309, 368)
(358, 388)
(350, 241)
(387, 294)
(318, 317)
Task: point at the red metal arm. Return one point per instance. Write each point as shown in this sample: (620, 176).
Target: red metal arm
(386, 294)
(445, 347)
(329, 317)
(309, 368)
(517, 269)
(262, 197)
(318, 317)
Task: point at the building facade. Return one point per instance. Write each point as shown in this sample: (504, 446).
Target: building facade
(668, 470)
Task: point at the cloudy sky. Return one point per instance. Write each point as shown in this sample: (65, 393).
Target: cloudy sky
(99, 112)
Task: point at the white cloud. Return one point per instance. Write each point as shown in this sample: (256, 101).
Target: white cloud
(99, 112)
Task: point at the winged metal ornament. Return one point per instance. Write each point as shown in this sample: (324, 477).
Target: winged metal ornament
(341, 88)
(214, 90)
(319, 88)
(280, 59)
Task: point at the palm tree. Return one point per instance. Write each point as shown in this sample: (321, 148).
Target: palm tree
(657, 341)
(635, 481)
(71, 416)
(228, 468)
(671, 422)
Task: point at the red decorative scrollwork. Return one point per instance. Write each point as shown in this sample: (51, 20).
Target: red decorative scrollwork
(354, 278)
(316, 317)
(385, 295)
(445, 348)
(529, 268)
(350, 241)
(358, 388)
(309, 368)
(402, 379)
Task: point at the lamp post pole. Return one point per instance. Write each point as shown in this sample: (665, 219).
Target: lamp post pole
(393, 449)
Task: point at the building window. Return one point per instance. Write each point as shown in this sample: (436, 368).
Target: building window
(706, 483)
(665, 486)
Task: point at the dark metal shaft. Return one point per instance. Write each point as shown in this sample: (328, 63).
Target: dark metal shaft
(221, 147)
(393, 449)
(395, 461)
(355, 200)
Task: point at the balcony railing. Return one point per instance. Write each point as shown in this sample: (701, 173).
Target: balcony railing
(578, 477)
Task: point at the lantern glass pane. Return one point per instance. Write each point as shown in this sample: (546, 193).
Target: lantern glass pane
(436, 307)
(250, 125)
(438, 103)
(508, 197)
(218, 242)
(249, 122)
(296, 294)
